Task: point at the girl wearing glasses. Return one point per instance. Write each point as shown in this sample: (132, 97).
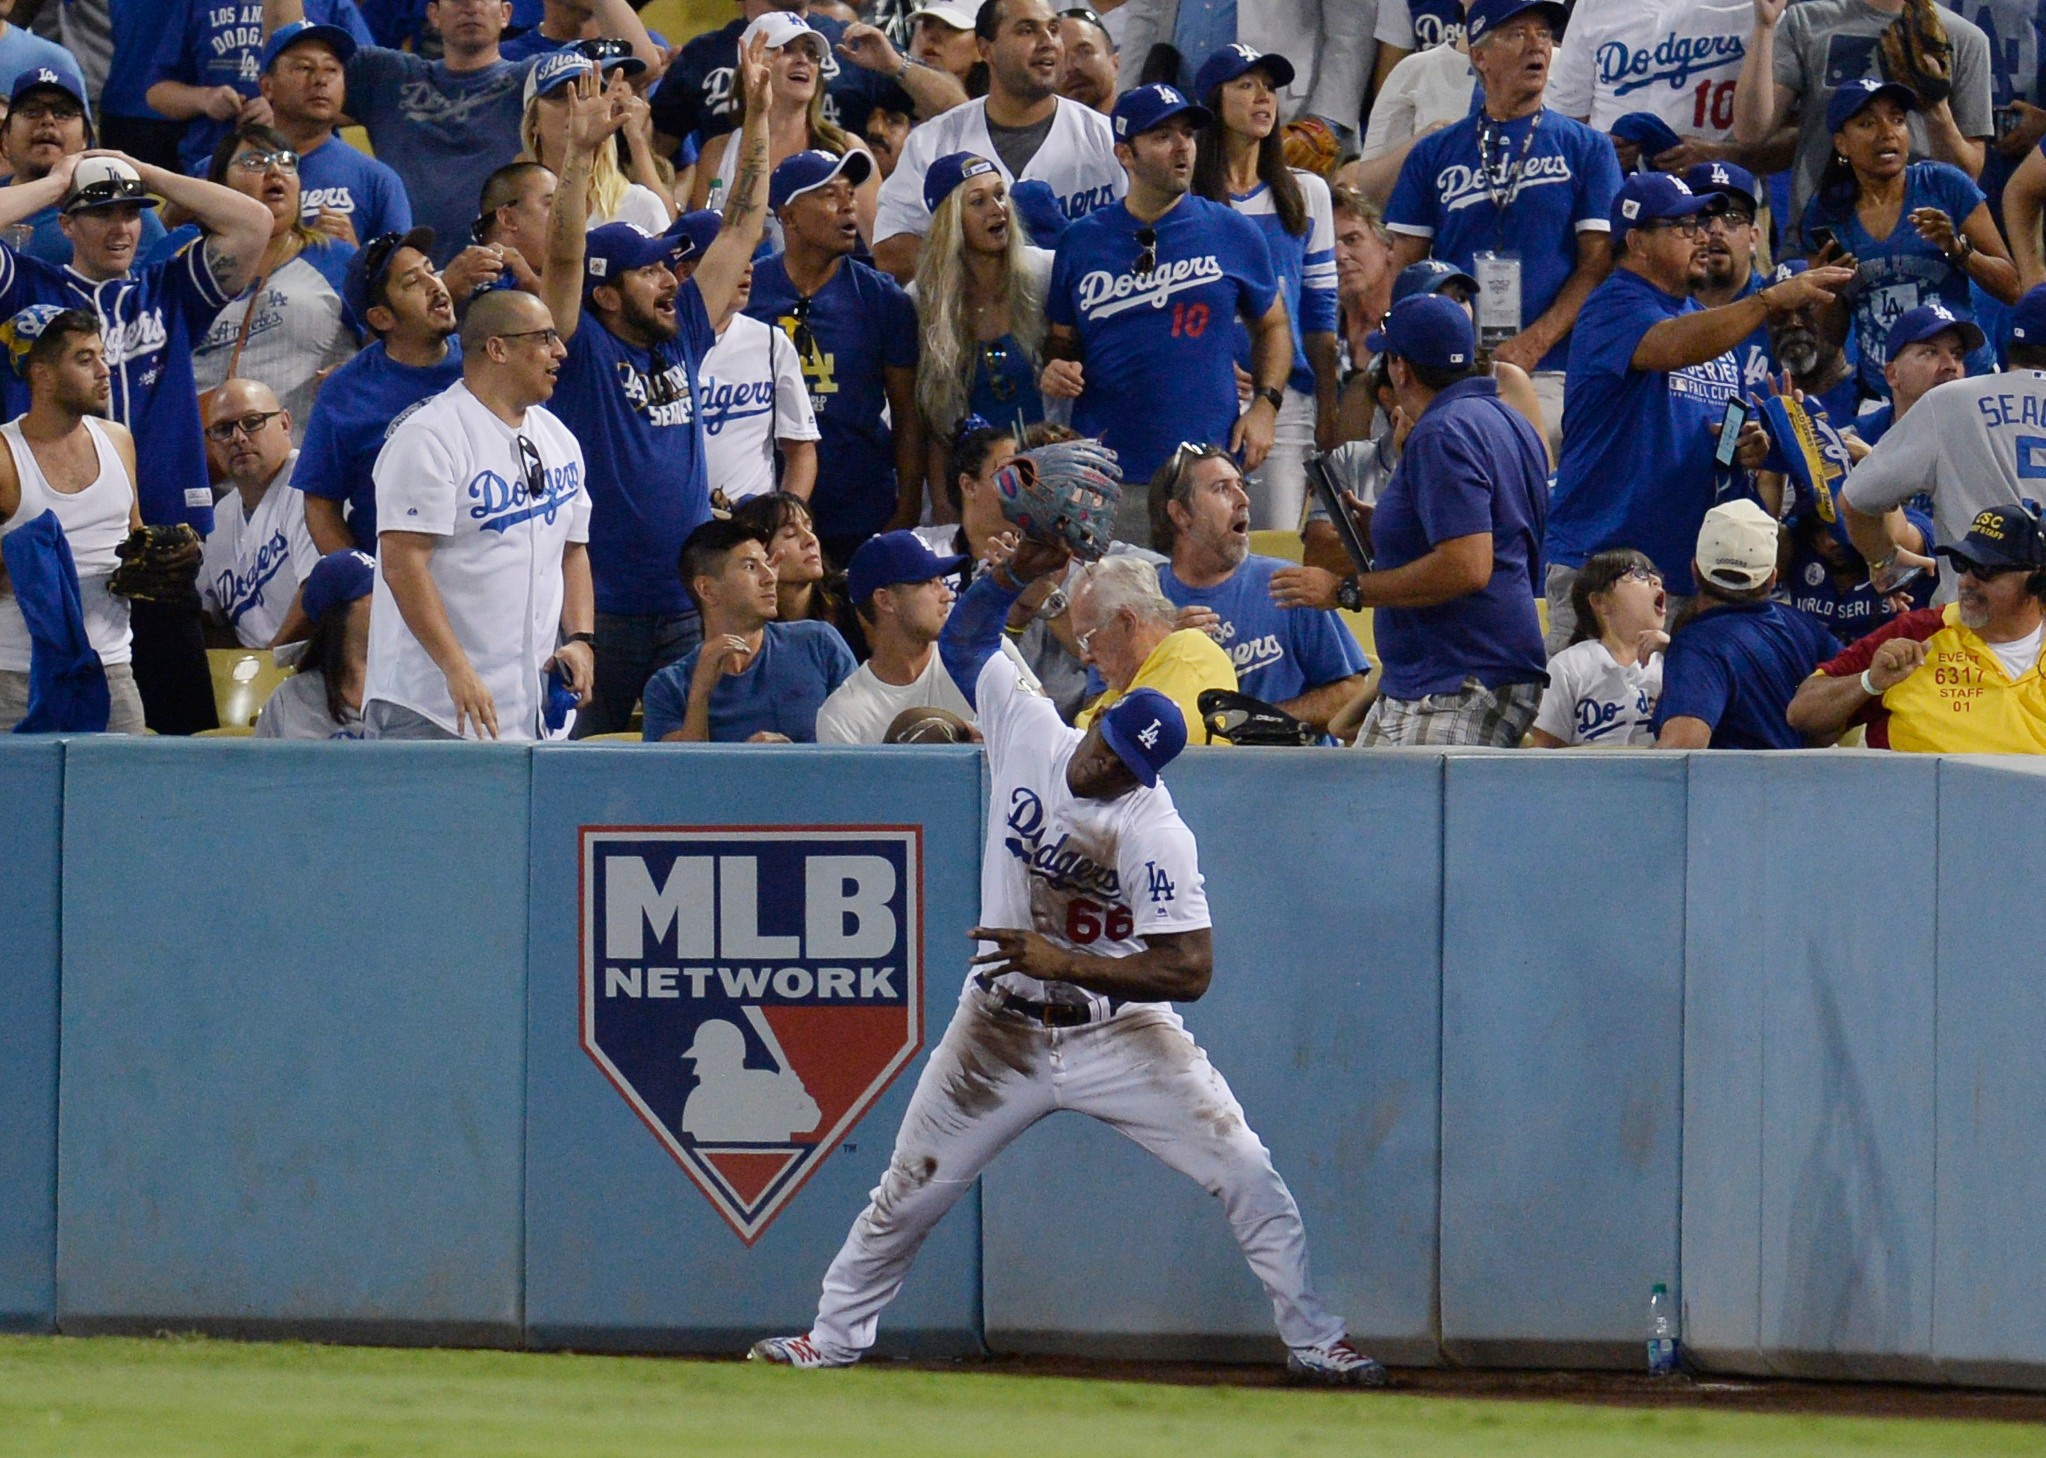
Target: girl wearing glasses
(289, 328)
(1603, 687)
(979, 295)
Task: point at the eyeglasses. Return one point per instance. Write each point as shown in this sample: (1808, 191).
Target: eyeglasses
(547, 337)
(283, 159)
(1085, 641)
(223, 431)
(1642, 574)
(37, 111)
(1725, 221)
(1147, 260)
(1688, 227)
(533, 475)
(806, 342)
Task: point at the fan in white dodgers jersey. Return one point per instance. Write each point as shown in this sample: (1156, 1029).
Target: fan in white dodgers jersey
(1673, 59)
(1095, 919)
(1022, 125)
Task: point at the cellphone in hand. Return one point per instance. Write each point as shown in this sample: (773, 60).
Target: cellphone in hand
(1730, 426)
(2006, 121)
(1822, 238)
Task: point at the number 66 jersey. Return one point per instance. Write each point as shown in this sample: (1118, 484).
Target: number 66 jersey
(1095, 876)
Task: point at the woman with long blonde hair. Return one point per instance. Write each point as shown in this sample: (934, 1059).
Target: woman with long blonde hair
(795, 122)
(614, 198)
(980, 306)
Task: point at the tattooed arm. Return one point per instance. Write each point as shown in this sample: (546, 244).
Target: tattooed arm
(724, 262)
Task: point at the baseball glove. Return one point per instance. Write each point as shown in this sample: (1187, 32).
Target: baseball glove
(159, 564)
(1915, 51)
(1064, 494)
(1240, 719)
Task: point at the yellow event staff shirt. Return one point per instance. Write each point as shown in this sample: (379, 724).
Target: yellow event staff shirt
(1187, 662)
(1959, 702)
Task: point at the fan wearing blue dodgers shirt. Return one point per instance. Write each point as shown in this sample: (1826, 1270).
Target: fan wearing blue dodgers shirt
(856, 332)
(1143, 294)
(356, 198)
(392, 287)
(444, 126)
(636, 343)
(1514, 195)
(47, 119)
(1093, 919)
(1650, 375)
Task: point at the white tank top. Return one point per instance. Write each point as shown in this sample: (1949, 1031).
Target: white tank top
(95, 521)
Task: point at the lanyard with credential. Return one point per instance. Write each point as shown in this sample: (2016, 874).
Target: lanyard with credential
(1514, 176)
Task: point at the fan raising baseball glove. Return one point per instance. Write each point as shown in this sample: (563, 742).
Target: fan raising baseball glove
(1064, 494)
(1915, 51)
(159, 564)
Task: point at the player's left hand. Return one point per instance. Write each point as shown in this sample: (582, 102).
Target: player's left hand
(578, 664)
(1020, 951)
(1304, 587)
(1250, 439)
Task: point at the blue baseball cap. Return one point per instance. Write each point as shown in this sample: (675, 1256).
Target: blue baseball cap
(285, 37)
(1648, 132)
(1653, 197)
(54, 78)
(1426, 329)
(372, 264)
(619, 248)
(1789, 269)
(19, 334)
(339, 577)
(1429, 276)
(555, 70)
(2028, 317)
(892, 558)
(1914, 326)
(808, 171)
(1232, 61)
(1141, 108)
(1146, 731)
(697, 230)
(2000, 538)
(1486, 16)
(1726, 179)
(1850, 97)
(951, 170)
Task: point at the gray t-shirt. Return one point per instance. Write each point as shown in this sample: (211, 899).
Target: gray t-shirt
(1968, 442)
(1017, 145)
(1822, 43)
(298, 710)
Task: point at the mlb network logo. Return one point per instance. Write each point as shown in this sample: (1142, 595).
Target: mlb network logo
(751, 991)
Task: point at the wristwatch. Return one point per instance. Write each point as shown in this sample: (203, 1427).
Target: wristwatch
(1271, 394)
(1959, 257)
(1350, 594)
(589, 638)
(1054, 604)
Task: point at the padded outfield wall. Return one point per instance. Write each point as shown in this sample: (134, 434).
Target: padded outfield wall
(421, 1043)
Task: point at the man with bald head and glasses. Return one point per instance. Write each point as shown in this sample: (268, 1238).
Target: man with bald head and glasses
(483, 607)
(259, 550)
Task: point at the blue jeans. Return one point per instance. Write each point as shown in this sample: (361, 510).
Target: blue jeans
(630, 650)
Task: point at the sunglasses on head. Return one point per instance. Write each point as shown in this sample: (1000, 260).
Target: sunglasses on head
(604, 48)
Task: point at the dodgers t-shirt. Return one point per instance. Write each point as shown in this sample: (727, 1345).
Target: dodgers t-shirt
(363, 190)
(1158, 352)
(635, 412)
(861, 323)
(1471, 465)
(1637, 468)
(780, 691)
(1279, 653)
(1565, 186)
(1736, 666)
(354, 413)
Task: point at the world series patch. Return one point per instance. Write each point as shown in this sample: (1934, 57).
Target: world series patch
(751, 991)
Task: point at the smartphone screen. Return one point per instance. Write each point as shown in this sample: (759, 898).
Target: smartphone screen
(2006, 120)
(1730, 431)
(1822, 239)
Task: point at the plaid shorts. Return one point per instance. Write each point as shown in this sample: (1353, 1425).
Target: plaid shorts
(1473, 715)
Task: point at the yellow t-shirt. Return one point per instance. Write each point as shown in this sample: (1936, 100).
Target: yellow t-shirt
(1187, 662)
(1961, 701)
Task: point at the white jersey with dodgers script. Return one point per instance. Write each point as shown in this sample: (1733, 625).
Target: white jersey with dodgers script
(455, 471)
(1676, 59)
(255, 560)
(1096, 876)
(1077, 162)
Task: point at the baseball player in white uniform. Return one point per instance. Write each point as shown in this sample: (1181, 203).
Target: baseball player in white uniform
(1094, 921)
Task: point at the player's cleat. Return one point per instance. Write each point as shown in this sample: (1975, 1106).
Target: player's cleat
(1338, 1364)
(794, 1351)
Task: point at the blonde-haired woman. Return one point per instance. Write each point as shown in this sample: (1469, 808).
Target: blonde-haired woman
(614, 198)
(980, 306)
(795, 122)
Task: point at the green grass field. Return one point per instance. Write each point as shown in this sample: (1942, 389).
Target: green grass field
(84, 1398)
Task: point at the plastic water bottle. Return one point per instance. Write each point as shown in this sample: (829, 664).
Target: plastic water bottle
(1662, 1332)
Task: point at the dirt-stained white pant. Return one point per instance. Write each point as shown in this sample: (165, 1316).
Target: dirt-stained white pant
(994, 1075)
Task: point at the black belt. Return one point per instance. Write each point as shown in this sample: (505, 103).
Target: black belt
(1046, 1014)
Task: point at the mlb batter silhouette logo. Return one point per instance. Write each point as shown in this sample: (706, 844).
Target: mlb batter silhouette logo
(750, 992)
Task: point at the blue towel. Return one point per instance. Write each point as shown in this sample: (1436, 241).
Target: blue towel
(67, 686)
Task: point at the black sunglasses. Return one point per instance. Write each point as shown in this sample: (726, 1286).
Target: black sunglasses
(604, 48)
(110, 190)
(533, 474)
(1147, 260)
(806, 342)
(1979, 571)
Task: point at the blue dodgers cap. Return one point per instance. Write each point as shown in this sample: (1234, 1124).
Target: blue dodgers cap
(807, 171)
(1146, 731)
(339, 577)
(1653, 197)
(1914, 326)
(1486, 16)
(2028, 317)
(1429, 276)
(892, 558)
(55, 78)
(949, 171)
(1426, 329)
(1649, 133)
(285, 37)
(1232, 61)
(696, 231)
(619, 248)
(1727, 179)
(371, 264)
(1141, 108)
(1850, 97)
(555, 70)
(20, 333)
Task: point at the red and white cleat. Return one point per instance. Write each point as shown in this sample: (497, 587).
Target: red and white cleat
(795, 1351)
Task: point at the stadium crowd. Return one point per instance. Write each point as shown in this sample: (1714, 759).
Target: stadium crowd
(1499, 372)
